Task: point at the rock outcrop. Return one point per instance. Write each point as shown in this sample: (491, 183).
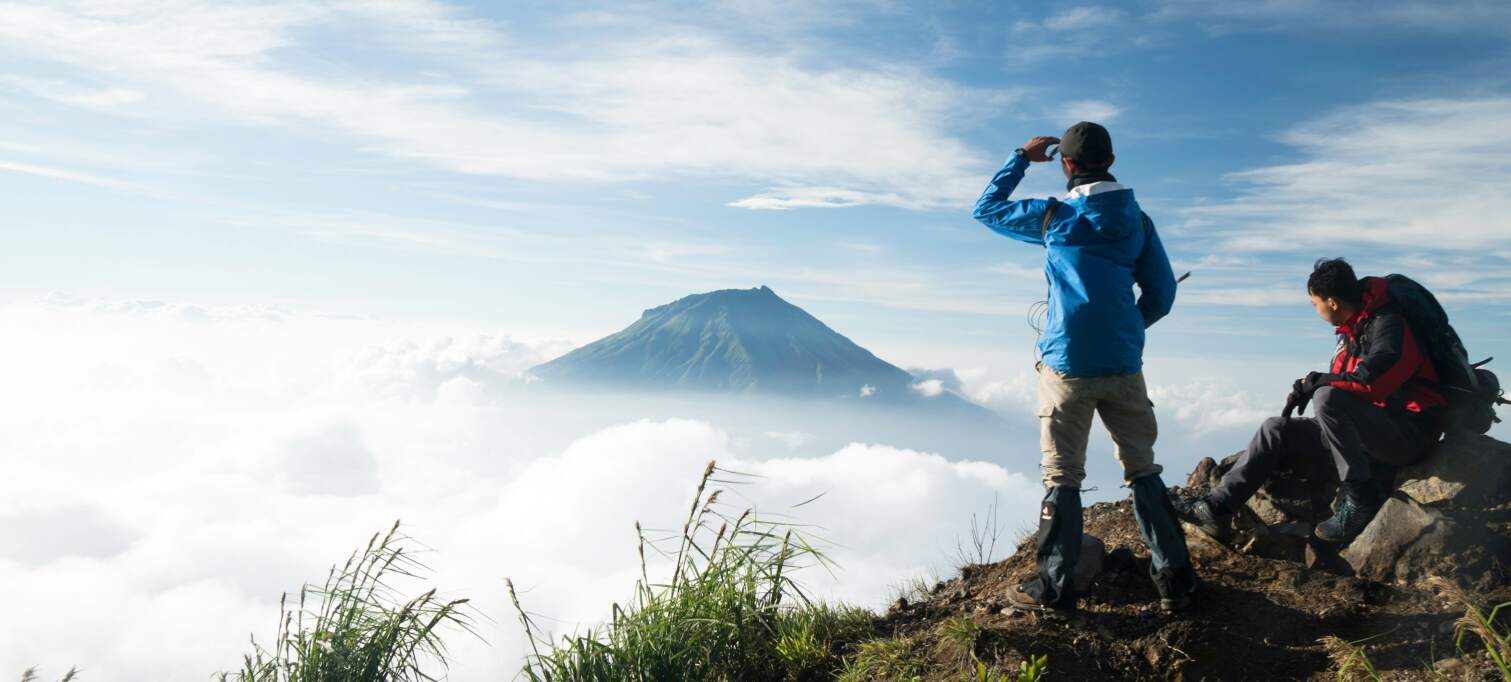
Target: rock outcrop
(1267, 601)
(1405, 541)
(1462, 472)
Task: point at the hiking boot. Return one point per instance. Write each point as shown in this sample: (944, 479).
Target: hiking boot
(1356, 507)
(1213, 520)
(1025, 597)
(1175, 589)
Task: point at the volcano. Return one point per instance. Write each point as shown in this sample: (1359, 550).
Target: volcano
(741, 341)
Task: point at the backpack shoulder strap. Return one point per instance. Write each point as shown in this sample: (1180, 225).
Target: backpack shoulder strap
(1049, 215)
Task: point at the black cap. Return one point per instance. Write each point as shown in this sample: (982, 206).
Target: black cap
(1087, 144)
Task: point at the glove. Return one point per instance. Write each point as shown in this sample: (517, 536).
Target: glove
(1316, 380)
(1297, 400)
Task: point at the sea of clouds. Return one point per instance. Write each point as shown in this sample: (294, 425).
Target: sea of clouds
(172, 470)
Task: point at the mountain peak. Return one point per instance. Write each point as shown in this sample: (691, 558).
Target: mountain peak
(732, 340)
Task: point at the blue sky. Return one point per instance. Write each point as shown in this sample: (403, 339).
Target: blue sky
(563, 169)
(551, 172)
(271, 272)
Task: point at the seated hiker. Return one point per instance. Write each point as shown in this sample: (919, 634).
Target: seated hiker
(1375, 411)
(1098, 244)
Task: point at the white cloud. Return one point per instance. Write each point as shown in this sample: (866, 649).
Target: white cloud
(457, 369)
(822, 197)
(1017, 393)
(1378, 175)
(930, 388)
(684, 104)
(330, 461)
(43, 534)
(1206, 406)
(68, 175)
(1081, 18)
(1246, 296)
(1073, 33)
(1095, 110)
(792, 439)
(75, 95)
(151, 518)
(867, 391)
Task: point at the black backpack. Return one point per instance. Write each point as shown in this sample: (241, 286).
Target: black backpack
(1471, 390)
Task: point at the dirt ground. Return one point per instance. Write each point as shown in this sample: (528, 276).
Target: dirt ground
(1253, 618)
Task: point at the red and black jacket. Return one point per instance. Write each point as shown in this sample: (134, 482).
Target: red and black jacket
(1378, 357)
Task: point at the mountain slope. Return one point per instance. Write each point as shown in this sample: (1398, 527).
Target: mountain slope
(744, 341)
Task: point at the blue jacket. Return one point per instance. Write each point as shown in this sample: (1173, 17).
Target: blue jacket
(1097, 246)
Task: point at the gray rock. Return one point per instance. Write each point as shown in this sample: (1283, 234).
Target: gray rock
(1204, 476)
(1093, 554)
(1463, 471)
(1404, 541)
(1274, 511)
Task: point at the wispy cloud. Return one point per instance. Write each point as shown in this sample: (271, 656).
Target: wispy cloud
(1075, 32)
(1090, 110)
(685, 104)
(1079, 18)
(1424, 174)
(103, 99)
(67, 175)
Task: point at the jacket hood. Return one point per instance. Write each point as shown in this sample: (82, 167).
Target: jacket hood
(1109, 207)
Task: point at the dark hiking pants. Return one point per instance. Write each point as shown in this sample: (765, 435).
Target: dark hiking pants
(1359, 436)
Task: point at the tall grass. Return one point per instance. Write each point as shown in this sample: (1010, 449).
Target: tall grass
(729, 610)
(357, 627)
(1350, 659)
(30, 675)
(1489, 627)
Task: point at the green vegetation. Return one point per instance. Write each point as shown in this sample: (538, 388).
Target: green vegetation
(1496, 640)
(958, 636)
(1493, 636)
(356, 627)
(1032, 670)
(1350, 658)
(730, 610)
(895, 658)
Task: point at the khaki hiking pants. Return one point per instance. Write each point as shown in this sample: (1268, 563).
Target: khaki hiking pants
(1066, 404)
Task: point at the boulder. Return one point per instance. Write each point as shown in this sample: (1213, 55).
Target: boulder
(1406, 540)
(1093, 555)
(1276, 511)
(1204, 476)
(1463, 471)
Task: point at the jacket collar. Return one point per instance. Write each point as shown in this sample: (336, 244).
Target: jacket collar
(1088, 177)
(1376, 294)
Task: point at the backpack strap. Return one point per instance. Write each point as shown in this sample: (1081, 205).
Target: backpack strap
(1049, 215)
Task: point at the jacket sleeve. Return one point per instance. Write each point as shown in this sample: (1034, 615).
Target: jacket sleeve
(1020, 219)
(1155, 279)
(1391, 359)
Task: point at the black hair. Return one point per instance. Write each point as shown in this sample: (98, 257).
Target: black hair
(1334, 278)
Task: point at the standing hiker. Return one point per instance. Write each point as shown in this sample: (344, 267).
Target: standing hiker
(1097, 245)
(1376, 408)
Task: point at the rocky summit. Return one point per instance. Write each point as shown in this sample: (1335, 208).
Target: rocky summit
(1397, 603)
